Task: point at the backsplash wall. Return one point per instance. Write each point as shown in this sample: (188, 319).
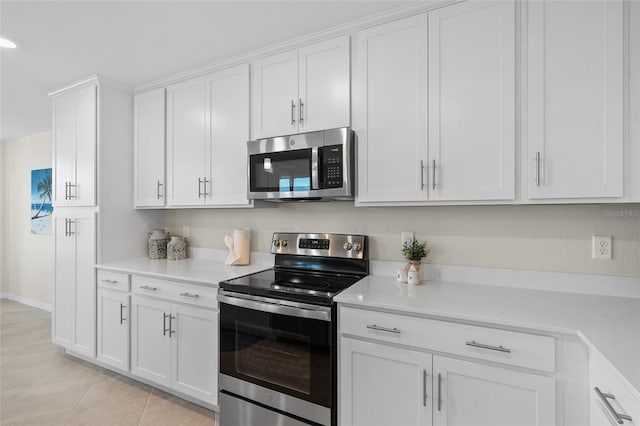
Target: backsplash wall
(543, 238)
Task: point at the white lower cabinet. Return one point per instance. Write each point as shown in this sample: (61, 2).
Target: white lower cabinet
(611, 401)
(388, 376)
(383, 385)
(176, 345)
(74, 293)
(113, 328)
(469, 393)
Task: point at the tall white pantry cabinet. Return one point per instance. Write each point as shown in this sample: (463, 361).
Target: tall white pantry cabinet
(92, 151)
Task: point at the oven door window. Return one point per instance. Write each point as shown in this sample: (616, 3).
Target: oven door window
(281, 171)
(287, 354)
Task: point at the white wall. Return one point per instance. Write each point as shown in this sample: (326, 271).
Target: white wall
(27, 259)
(542, 238)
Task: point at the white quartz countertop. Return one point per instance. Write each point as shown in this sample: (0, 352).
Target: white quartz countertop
(201, 271)
(608, 324)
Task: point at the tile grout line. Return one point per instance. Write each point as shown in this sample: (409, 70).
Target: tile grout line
(145, 407)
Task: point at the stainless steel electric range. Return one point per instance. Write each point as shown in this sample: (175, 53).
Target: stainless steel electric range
(278, 332)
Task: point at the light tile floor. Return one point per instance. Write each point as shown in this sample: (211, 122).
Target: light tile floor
(39, 385)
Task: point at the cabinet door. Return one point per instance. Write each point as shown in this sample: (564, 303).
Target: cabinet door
(149, 148)
(575, 107)
(390, 111)
(467, 393)
(195, 352)
(324, 85)
(84, 192)
(150, 339)
(275, 96)
(83, 230)
(113, 328)
(228, 114)
(383, 385)
(64, 152)
(186, 143)
(64, 282)
(472, 101)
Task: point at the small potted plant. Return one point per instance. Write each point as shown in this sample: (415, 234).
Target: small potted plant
(414, 251)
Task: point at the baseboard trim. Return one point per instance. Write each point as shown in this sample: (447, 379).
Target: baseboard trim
(26, 301)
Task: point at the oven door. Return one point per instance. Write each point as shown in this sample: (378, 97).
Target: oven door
(277, 355)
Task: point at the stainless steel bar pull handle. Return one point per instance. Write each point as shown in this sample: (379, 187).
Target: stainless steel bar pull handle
(605, 397)
(171, 332)
(122, 319)
(388, 330)
(66, 227)
(205, 181)
(110, 281)
(424, 388)
(433, 174)
(68, 232)
(439, 392)
(194, 296)
(538, 168)
(422, 174)
(491, 348)
(199, 188)
(158, 194)
(146, 287)
(164, 324)
(66, 190)
(71, 186)
(300, 118)
(293, 113)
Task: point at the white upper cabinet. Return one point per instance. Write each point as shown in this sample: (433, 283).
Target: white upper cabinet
(472, 101)
(390, 111)
(575, 99)
(74, 146)
(149, 148)
(302, 90)
(207, 133)
(186, 143)
(434, 109)
(275, 95)
(228, 119)
(324, 85)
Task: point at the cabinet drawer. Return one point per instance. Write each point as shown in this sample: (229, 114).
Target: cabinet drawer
(176, 291)
(114, 280)
(490, 344)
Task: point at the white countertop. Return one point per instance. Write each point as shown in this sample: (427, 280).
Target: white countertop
(201, 271)
(608, 324)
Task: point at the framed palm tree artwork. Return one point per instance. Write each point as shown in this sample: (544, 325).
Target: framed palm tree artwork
(41, 206)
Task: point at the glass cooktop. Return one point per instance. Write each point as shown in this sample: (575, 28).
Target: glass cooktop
(311, 287)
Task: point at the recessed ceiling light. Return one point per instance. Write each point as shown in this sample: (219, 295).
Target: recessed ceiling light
(7, 43)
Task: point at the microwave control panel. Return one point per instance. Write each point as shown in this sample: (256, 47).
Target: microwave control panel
(331, 161)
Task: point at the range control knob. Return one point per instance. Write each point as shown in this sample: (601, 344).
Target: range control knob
(357, 247)
(347, 246)
(284, 243)
(276, 243)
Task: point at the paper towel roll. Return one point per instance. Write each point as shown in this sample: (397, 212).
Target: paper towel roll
(241, 246)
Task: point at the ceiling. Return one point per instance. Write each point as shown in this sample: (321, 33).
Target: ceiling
(135, 42)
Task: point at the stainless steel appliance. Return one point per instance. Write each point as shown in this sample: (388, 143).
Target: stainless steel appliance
(307, 166)
(278, 332)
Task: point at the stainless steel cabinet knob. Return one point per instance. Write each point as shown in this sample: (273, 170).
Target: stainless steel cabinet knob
(347, 246)
(276, 243)
(284, 243)
(357, 247)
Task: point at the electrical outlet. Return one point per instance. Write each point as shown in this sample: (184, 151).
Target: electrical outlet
(406, 236)
(602, 247)
(185, 231)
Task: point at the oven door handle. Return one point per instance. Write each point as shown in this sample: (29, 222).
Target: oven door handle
(320, 313)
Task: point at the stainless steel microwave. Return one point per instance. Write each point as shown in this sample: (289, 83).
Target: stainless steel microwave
(302, 167)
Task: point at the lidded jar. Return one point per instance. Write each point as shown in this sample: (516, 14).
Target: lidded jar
(177, 248)
(157, 244)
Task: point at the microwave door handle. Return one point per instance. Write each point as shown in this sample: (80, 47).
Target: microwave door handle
(315, 179)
